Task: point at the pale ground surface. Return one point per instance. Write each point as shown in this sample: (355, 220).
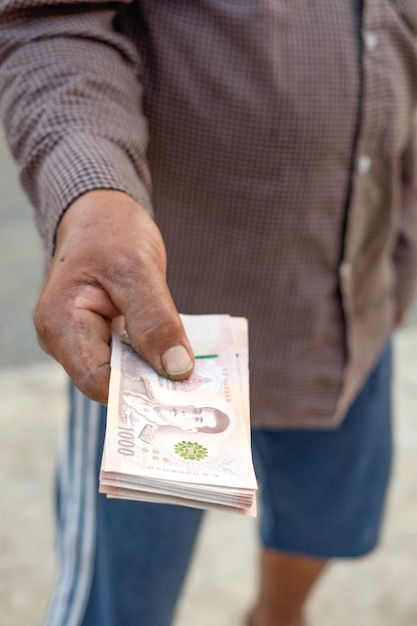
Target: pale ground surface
(380, 590)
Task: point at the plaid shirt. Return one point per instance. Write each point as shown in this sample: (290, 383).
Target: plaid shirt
(280, 140)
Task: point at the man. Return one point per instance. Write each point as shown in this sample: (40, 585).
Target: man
(280, 139)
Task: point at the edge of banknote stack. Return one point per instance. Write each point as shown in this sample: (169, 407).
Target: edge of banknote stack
(187, 442)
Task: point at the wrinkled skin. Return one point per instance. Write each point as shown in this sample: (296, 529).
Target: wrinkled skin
(109, 260)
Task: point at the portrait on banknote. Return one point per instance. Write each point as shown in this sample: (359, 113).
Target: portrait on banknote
(150, 410)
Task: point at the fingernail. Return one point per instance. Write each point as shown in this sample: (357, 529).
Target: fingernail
(176, 361)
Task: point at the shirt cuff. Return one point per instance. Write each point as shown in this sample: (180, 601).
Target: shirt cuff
(83, 163)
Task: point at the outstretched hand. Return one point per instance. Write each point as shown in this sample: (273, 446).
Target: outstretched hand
(109, 260)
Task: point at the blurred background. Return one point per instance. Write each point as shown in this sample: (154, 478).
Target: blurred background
(379, 590)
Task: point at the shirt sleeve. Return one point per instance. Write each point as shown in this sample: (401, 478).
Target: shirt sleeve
(70, 99)
(405, 256)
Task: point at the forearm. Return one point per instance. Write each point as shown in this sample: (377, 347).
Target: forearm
(70, 102)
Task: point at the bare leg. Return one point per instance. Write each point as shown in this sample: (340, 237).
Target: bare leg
(285, 582)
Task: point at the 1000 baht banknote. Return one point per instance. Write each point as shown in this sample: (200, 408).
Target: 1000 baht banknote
(188, 438)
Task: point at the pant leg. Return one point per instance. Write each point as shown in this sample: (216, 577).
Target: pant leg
(119, 562)
(323, 491)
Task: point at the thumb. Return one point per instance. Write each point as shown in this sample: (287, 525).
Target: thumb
(156, 332)
(136, 282)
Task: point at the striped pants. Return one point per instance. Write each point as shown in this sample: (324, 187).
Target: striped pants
(120, 564)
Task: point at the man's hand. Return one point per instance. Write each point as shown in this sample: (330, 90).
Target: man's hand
(109, 260)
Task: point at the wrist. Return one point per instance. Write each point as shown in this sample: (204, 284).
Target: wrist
(97, 209)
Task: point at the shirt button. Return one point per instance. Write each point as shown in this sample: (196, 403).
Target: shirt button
(371, 40)
(345, 270)
(364, 164)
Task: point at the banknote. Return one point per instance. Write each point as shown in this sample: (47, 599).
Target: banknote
(184, 442)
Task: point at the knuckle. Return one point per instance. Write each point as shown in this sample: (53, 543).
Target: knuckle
(81, 375)
(91, 381)
(85, 382)
(43, 325)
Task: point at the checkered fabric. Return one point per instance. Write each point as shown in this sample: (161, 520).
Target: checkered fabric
(280, 141)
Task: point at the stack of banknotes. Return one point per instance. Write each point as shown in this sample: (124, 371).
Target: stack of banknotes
(182, 442)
